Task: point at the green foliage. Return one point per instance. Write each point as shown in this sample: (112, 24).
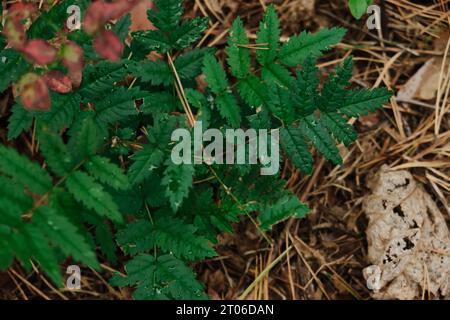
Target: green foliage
(238, 55)
(161, 278)
(19, 121)
(306, 44)
(12, 67)
(286, 206)
(24, 172)
(177, 180)
(92, 195)
(218, 83)
(268, 36)
(358, 7)
(173, 32)
(98, 175)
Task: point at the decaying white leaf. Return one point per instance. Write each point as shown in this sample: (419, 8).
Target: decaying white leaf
(409, 241)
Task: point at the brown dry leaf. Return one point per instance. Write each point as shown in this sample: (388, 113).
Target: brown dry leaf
(370, 120)
(423, 85)
(139, 19)
(300, 10)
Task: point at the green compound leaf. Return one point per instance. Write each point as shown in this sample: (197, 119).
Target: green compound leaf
(92, 195)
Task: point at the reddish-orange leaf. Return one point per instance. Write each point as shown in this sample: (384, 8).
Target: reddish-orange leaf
(96, 16)
(15, 33)
(58, 81)
(75, 75)
(19, 11)
(139, 19)
(108, 45)
(34, 92)
(72, 56)
(100, 12)
(39, 51)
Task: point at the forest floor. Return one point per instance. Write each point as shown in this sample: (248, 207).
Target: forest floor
(323, 255)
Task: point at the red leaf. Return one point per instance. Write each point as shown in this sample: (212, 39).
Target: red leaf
(108, 45)
(15, 33)
(39, 51)
(14, 29)
(96, 16)
(58, 81)
(100, 12)
(34, 92)
(75, 75)
(19, 11)
(139, 18)
(72, 58)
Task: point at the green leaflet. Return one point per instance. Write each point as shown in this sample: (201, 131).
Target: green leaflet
(296, 149)
(285, 207)
(41, 251)
(334, 89)
(65, 235)
(215, 75)
(189, 65)
(189, 32)
(299, 47)
(275, 74)
(163, 101)
(229, 109)
(156, 72)
(19, 121)
(122, 27)
(253, 91)
(339, 127)
(238, 56)
(320, 138)
(98, 80)
(65, 107)
(178, 181)
(92, 195)
(85, 138)
(55, 152)
(304, 91)
(11, 212)
(117, 105)
(218, 83)
(268, 36)
(280, 103)
(14, 193)
(361, 102)
(144, 162)
(23, 171)
(105, 239)
(108, 173)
